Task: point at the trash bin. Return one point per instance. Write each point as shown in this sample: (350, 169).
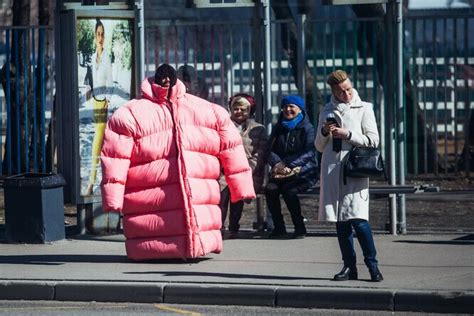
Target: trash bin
(34, 207)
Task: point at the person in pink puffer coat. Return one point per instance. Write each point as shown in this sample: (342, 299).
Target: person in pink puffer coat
(161, 158)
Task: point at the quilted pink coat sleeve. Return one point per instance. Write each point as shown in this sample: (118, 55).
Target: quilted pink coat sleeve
(115, 158)
(238, 174)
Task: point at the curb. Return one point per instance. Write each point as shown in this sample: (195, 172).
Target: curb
(340, 298)
(27, 290)
(109, 292)
(439, 302)
(217, 294)
(245, 295)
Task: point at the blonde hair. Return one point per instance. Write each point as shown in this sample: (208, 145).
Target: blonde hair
(336, 77)
(239, 100)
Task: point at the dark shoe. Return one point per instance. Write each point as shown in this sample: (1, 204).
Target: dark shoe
(375, 275)
(233, 234)
(346, 273)
(298, 235)
(277, 233)
(300, 232)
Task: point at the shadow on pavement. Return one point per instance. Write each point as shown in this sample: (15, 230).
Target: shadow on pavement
(464, 240)
(61, 259)
(108, 238)
(225, 275)
(264, 235)
(467, 237)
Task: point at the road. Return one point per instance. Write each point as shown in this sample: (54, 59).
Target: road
(16, 308)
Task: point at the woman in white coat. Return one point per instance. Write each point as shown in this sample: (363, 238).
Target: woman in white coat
(344, 122)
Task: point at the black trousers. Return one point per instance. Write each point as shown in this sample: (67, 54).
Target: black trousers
(289, 191)
(235, 210)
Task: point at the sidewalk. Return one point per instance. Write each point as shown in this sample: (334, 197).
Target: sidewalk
(432, 273)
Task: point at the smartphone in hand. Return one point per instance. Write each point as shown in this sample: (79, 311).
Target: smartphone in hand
(336, 142)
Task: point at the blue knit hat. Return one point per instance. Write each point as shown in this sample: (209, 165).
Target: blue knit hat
(293, 99)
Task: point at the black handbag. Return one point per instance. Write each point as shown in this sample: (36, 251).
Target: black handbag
(364, 162)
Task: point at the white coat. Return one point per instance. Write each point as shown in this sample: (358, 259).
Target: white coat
(339, 202)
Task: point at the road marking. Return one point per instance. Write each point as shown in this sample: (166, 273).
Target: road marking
(53, 308)
(176, 310)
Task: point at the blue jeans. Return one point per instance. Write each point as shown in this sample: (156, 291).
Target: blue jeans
(366, 241)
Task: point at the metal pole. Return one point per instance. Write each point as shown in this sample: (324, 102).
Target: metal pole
(301, 56)
(229, 73)
(401, 115)
(390, 115)
(257, 58)
(267, 66)
(141, 42)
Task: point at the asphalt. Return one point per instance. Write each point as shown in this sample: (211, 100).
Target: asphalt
(429, 273)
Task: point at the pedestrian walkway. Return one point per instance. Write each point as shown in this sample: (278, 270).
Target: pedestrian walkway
(433, 273)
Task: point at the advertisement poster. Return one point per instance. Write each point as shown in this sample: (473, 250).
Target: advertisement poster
(105, 70)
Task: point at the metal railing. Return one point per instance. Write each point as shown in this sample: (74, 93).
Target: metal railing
(226, 56)
(221, 54)
(440, 58)
(25, 99)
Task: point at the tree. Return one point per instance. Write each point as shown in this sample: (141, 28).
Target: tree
(121, 41)
(85, 40)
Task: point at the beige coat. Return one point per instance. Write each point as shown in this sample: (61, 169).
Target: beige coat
(255, 141)
(339, 202)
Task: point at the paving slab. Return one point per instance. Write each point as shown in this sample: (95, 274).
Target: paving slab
(266, 272)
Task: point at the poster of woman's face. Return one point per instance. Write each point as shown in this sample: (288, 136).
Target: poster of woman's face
(105, 50)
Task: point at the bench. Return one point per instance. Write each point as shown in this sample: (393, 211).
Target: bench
(375, 191)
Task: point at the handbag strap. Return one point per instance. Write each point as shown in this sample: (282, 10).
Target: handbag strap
(383, 168)
(344, 171)
(381, 160)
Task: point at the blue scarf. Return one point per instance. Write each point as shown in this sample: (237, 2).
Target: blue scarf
(291, 124)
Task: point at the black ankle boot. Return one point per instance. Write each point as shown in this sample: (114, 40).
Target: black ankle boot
(347, 273)
(278, 232)
(375, 275)
(300, 233)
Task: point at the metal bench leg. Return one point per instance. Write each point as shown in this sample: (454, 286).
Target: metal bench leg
(260, 213)
(393, 214)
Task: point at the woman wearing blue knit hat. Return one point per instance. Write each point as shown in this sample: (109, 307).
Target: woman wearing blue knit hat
(293, 164)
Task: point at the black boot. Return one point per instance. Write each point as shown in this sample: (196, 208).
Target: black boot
(375, 275)
(278, 232)
(347, 273)
(300, 232)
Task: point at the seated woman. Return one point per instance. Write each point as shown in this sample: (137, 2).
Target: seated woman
(255, 141)
(293, 164)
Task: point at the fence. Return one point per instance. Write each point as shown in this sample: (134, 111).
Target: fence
(220, 59)
(25, 99)
(440, 51)
(439, 56)
(220, 54)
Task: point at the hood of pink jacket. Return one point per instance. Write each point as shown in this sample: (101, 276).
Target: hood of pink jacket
(158, 94)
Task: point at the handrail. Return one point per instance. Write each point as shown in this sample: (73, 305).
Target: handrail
(389, 189)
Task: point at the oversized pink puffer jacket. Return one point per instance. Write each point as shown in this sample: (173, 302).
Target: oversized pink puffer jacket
(160, 164)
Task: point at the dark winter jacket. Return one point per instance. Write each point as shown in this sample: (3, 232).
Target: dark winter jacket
(295, 148)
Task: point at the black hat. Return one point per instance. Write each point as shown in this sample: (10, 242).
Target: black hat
(164, 71)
